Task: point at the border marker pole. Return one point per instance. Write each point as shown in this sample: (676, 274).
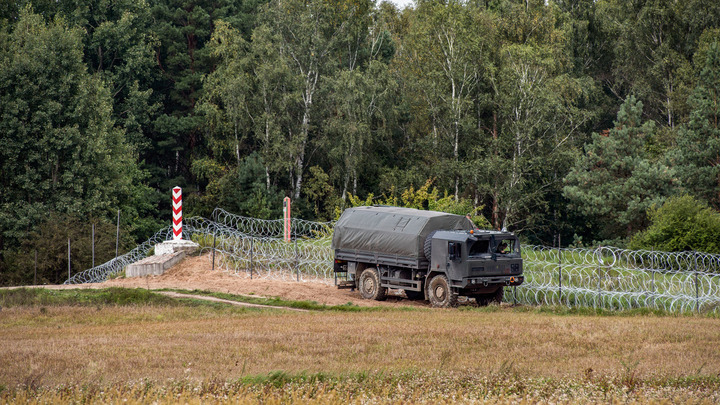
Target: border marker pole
(177, 213)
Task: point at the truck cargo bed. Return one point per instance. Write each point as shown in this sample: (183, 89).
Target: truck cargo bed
(381, 259)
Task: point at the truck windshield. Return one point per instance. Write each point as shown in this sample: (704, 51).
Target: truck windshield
(507, 246)
(479, 247)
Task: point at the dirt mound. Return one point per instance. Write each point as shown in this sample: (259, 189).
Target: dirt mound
(195, 273)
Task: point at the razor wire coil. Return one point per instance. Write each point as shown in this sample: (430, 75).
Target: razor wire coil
(605, 277)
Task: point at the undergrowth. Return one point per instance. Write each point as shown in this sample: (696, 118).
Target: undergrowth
(378, 386)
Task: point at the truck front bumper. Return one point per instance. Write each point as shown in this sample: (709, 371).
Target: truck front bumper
(481, 282)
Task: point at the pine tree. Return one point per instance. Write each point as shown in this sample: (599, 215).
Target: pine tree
(615, 181)
(697, 153)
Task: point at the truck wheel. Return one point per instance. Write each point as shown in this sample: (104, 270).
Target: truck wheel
(486, 299)
(369, 285)
(440, 293)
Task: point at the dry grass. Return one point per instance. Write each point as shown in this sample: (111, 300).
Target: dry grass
(411, 388)
(74, 345)
(153, 351)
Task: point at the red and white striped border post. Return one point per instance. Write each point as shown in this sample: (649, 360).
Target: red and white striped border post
(286, 219)
(177, 213)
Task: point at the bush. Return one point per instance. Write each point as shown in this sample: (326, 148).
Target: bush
(426, 199)
(681, 224)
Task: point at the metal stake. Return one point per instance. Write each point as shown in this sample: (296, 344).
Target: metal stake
(68, 258)
(697, 287)
(93, 245)
(252, 243)
(297, 260)
(213, 249)
(117, 236)
(35, 274)
(559, 268)
(598, 297)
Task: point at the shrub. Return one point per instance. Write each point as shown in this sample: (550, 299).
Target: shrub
(681, 224)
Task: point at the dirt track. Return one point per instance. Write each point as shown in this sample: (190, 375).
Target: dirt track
(195, 273)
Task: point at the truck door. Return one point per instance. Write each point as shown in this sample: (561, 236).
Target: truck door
(455, 260)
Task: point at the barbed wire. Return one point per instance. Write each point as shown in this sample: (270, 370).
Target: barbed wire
(256, 248)
(613, 278)
(606, 277)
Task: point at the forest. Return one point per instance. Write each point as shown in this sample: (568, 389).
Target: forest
(573, 123)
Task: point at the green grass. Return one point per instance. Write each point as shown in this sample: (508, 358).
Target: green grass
(113, 296)
(117, 296)
(280, 302)
(25, 297)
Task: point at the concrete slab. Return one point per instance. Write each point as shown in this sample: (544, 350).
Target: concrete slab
(172, 246)
(154, 265)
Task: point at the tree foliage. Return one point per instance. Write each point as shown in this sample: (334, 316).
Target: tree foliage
(615, 180)
(61, 149)
(680, 224)
(548, 118)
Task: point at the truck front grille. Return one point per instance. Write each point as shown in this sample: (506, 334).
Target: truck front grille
(477, 269)
(515, 268)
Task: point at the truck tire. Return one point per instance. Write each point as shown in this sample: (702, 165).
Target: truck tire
(369, 285)
(427, 246)
(440, 293)
(484, 300)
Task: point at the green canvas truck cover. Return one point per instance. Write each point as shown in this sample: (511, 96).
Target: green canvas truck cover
(392, 230)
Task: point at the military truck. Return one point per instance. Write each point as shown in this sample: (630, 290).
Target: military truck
(431, 255)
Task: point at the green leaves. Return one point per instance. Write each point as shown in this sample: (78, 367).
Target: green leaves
(697, 154)
(616, 181)
(60, 149)
(680, 224)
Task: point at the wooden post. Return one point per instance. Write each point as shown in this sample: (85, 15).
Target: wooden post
(287, 219)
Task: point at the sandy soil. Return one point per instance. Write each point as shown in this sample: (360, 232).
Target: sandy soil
(195, 273)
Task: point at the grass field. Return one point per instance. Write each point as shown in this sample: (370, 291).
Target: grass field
(137, 346)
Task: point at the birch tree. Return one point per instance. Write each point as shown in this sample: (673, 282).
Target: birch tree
(445, 54)
(308, 32)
